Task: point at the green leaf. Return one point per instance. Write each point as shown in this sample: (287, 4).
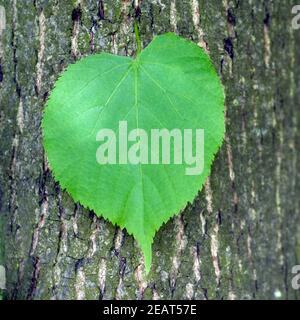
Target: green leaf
(171, 84)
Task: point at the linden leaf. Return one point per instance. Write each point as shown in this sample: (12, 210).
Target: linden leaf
(172, 84)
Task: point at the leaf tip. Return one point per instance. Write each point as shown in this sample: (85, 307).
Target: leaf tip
(147, 253)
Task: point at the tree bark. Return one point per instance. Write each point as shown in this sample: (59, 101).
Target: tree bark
(239, 239)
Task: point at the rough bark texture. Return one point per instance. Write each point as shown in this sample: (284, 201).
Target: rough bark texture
(239, 239)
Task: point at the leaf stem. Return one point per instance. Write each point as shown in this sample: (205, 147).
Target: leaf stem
(137, 37)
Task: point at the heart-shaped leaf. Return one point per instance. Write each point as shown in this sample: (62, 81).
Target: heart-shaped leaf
(170, 85)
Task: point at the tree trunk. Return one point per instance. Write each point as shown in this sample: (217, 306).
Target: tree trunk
(239, 239)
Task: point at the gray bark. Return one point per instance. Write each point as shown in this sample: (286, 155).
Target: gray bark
(239, 239)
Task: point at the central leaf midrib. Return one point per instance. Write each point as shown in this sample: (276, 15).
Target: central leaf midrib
(136, 69)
